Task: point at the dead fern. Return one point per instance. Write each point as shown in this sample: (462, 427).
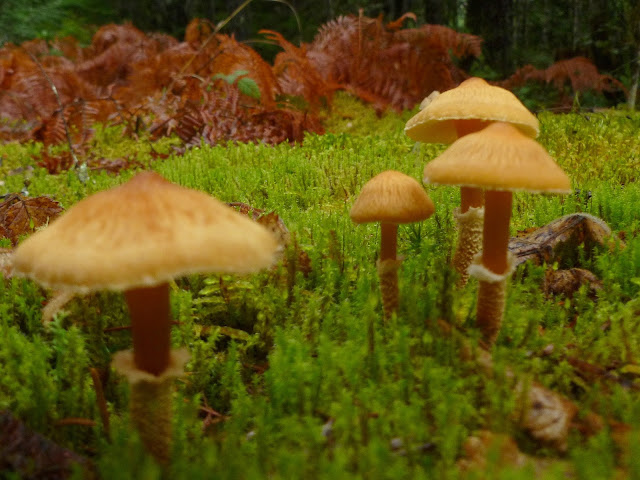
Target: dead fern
(55, 92)
(382, 64)
(567, 77)
(296, 75)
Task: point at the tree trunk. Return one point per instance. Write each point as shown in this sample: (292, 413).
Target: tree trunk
(495, 25)
(441, 12)
(633, 91)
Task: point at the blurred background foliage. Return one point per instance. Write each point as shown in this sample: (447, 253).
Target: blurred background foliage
(515, 32)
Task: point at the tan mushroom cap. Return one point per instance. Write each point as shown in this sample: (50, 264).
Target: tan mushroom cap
(392, 197)
(472, 99)
(143, 233)
(499, 157)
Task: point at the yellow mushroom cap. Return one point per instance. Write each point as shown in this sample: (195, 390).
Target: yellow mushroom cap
(473, 99)
(392, 197)
(142, 233)
(499, 157)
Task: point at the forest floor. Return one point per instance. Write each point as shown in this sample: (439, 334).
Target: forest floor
(294, 371)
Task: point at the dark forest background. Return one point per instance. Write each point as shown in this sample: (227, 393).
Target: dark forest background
(515, 32)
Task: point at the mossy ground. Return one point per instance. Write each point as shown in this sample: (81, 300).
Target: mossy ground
(308, 379)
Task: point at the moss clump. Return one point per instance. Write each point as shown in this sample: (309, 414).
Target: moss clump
(294, 373)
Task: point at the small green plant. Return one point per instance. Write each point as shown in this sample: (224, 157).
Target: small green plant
(246, 85)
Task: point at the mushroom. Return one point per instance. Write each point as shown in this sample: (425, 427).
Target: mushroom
(135, 238)
(468, 108)
(391, 198)
(501, 160)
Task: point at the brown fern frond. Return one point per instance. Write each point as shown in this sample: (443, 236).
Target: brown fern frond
(579, 72)
(112, 34)
(37, 47)
(34, 82)
(113, 51)
(190, 123)
(295, 73)
(56, 163)
(111, 65)
(399, 22)
(157, 72)
(458, 44)
(198, 31)
(68, 47)
(78, 118)
(576, 74)
(53, 131)
(396, 68)
(231, 56)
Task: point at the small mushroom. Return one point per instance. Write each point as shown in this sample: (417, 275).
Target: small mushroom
(468, 108)
(391, 198)
(501, 160)
(135, 238)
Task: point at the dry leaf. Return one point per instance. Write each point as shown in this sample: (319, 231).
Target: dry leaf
(546, 415)
(567, 282)
(271, 221)
(477, 449)
(487, 451)
(20, 215)
(275, 225)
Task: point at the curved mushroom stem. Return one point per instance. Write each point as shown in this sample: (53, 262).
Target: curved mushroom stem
(150, 327)
(388, 267)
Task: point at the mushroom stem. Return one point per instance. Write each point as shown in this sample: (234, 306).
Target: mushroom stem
(388, 273)
(495, 241)
(151, 400)
(388, 241)
(388, 267)
(494, 267)
(470, 226)
(470, 197)
(490, 308)
(150, 326)
(151, 414)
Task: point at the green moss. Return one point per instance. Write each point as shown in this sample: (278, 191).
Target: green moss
(307, 378)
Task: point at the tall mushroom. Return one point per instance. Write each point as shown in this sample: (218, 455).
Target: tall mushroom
(391, 198)
(468, 108)
(135, 238)
(501, 160)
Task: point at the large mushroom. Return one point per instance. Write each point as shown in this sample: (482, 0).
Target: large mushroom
(391, 198)
(501, 160)
(135, 238)
(468, 108)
